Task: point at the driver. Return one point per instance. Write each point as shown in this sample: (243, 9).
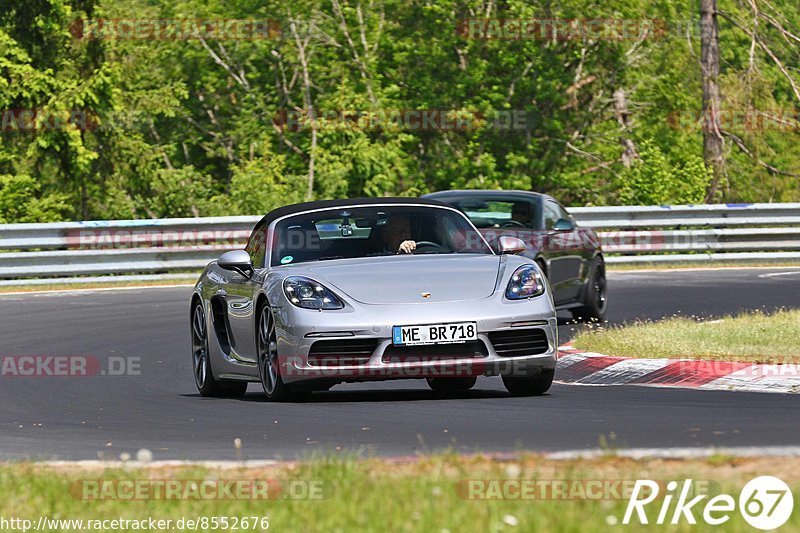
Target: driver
(521, 212)
(397, 235)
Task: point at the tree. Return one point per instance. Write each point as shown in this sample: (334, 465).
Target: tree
(713, 143)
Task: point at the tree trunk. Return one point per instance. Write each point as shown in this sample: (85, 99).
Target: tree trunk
(710, 119)
(309, 106)
(629, 153)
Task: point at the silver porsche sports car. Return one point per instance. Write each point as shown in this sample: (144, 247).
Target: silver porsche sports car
(371, 289)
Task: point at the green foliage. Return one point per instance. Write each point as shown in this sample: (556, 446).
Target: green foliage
(260, 185)
(180, 192)
(21, 201)
(184, 127)
(655, 180)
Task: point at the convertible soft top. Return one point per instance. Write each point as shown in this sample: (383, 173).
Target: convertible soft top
(344, 202)
(484, 193)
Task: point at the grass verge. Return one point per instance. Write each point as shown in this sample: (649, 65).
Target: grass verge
(749, 337)
(97, 285)
(427, 494)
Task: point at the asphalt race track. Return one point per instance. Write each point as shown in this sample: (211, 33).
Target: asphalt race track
(102, 416)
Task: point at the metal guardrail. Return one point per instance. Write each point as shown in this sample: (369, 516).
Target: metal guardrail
(629, 234)
(117, 233)
(679, 216)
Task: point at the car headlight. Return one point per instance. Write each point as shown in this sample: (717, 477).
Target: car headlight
(309, 294)
(525, 282)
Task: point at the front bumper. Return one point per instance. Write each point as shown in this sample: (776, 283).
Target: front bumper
(298, 329)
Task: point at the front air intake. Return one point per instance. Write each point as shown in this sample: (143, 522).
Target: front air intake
(341, 352)
(519, 342)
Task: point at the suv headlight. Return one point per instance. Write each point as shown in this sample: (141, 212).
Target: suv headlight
(310, 294)
(525, 282)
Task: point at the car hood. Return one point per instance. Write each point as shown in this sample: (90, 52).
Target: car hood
(405, 279)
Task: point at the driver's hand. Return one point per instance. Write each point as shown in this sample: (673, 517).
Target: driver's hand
(406, 247)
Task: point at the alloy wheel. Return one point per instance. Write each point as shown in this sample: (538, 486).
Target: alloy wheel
(199, 346)
(268, 352)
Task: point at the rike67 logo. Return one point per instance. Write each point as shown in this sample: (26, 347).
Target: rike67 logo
(765, 502)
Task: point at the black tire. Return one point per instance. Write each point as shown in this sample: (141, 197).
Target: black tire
(452, 384)
(595, 301)
(529, 386)
(269, 371)
(542, 266)
(204, 379)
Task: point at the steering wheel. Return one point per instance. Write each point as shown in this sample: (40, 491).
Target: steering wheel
(429, 244)
(512, 224)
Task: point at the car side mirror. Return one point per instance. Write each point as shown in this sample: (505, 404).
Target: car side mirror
(238, 261)
(510, 245)
(563, 224)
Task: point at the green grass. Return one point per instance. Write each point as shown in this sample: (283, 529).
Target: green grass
(749, 337)
(374, 495)
(189, 280)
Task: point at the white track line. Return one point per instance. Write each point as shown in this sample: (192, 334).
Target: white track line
(692, 269)
(221, 465)
(631, 453)
(774, 274)
(680, 453)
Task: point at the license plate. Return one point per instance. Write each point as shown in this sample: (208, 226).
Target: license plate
(434, 333)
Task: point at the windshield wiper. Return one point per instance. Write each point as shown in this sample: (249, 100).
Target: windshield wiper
(327, 257)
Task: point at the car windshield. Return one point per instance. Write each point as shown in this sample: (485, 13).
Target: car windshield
(345, 232)
(499, 212)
